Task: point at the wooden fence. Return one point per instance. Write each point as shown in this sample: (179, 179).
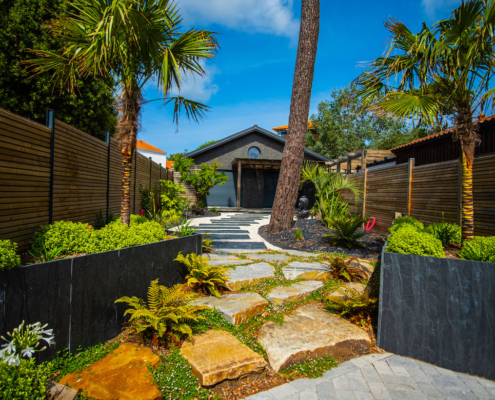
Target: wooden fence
(62, 174)
(428, 193)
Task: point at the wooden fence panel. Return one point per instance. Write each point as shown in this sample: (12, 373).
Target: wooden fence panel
(484, 195)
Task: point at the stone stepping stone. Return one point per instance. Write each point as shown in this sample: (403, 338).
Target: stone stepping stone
(236, 308)
(269, 257)
(249, 274)
(238, 245)
(349, 285)
(364, 266)
(222, 231)
(234, 251)
(229, 236)
(296, 292)
(104, 379)
(217, 355)
(306, 270)
(298, 253)
(210, 228)
(220, 256)
(229, 262)
(311, 331)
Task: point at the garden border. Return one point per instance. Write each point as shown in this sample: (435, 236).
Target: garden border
(438, 310)
(76, 296)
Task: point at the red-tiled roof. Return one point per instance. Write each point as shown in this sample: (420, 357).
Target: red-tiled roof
(141, 144)
(169, 164)
(285, 127)
(446, 132)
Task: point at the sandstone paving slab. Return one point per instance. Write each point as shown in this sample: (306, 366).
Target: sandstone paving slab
(219, 256)
(296, 292)
(306, 270)
(249, 274)
(364, 265)
(269, 257)
(104, 380)
(217, 355)
(299, 253)
(229, 262)
(359, 287)
(237, 307)
(310, 332)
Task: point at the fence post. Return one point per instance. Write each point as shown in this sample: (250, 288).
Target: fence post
(151, 165)
(410, 169)
(459, 193)
(107, 140)
(365, 181)
(363, 159)
(50, 122)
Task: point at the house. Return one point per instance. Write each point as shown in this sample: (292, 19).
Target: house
(282, 130)
(251, 159)
(440, 147)
(150, 151)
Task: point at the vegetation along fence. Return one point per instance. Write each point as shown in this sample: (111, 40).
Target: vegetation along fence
(428, 193)
(56, 172)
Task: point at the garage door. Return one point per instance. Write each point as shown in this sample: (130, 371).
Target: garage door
(224, 196)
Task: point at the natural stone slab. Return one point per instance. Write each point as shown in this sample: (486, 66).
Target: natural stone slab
(217, 355)
(299, 253)
(216, 231)
(123, 374)
(349, 285)
(219, 257)
(238, 245)
(56, 391)
(310, 332)
(269, 257)
(249, 274)
(364, 266)
(229, 262)
(236, 308)
(296, 292)
(216, 236)
(234, 251)
(306, 270)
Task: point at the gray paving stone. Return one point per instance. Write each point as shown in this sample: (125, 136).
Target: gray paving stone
(269, 257)
(230, 236)
(249, 274)
(342, 369)
(416, 395)
(398, 361)
(262, 396)
(396, 382)
(444, 371)
(229, 262)
(363, 395)
(418, 375)
(486, 383)
(218, 244)
(379, 390)
(428, 368)
(458, 395)
(369, 359)
(308, 395)
(344, 395)
(398, 394)
(430, 390)
(298, 253)
(401, 371)
(448, 382)
(382, 368)
(220, 257)
(474, 385)
(350, 382)
(370, 374)
(304, 384)
(222, 230)
(283, 391)
(326, 391)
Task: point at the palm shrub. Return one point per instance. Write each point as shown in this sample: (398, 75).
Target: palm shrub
(203, 277)
(168, 314)
(352, 304)
(345, 231)
(479, 249)
(445, 232)
(409, 240)
(8, 255)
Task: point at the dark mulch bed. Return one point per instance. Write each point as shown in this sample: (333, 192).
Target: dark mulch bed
(313, 240)
(207, 213)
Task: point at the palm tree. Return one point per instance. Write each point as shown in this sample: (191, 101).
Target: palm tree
(133, 42)
(444, 69)
(293, 156)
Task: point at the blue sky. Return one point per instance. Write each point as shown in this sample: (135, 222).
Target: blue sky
(250, 80)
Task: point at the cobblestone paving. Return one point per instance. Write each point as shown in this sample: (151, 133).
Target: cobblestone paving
(384, 376)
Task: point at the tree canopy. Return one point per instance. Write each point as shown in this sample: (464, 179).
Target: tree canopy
(90, 109)
(344, 124)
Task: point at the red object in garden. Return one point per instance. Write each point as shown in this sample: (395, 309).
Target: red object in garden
(368, 227)
(142, 213)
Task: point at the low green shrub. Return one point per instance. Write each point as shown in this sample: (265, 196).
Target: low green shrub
(171, 196)
(8, 255)
(409, 240)
(73, 237)
(445, 232)
(408, 220)
(30, 382)
(395, 228)
(479, 249)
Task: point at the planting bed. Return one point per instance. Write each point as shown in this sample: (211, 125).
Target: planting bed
(313, 240)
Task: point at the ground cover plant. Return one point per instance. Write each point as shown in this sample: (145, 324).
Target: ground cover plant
(352, 304)
(479, 249)
(409, 240)
(8, 255)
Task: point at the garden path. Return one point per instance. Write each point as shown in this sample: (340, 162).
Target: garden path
(384, 376)
(234, 230)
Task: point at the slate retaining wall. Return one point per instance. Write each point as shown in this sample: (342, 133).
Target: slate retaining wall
(76, 296)
(441, 311)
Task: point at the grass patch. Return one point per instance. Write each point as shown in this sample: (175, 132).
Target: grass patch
(176, 381)
(313, 368)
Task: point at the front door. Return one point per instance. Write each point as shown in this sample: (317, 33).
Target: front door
(270, 187)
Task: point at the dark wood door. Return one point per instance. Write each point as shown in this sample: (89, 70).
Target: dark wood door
(270, 187)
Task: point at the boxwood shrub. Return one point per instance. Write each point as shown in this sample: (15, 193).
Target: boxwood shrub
(30, 383)
(73, 237)
(8, 255)
(406, 220)
(409, 240)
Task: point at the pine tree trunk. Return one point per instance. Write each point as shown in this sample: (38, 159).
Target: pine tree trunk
(293, 156)
(130, 108)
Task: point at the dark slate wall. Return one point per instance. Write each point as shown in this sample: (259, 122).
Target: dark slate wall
(271, 149)
(441, 311)
(76, 296)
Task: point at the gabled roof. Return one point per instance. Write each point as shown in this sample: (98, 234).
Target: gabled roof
(142, 145)
(253, 129)
(285, 127)
(443, 133)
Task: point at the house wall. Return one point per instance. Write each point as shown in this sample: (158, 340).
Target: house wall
(159, 158)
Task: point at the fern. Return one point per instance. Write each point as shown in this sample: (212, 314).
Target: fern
(202, 276)
(169, 311)
(352, 304)
(341, 269)
(207, 243)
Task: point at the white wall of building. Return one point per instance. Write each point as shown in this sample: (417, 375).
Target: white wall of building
(155, 156)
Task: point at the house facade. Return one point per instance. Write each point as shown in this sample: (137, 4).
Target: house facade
(150, 151)
(251, 159)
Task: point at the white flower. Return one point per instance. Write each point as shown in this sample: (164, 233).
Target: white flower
(13, 360)
(48, 332)
(27, 352)
(49, 340)
(9, 347)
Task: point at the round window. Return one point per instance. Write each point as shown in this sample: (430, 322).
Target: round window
(254, 152)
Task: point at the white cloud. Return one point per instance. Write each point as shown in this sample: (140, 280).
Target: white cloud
(431, 7)
(266, 16)
(198, 88)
